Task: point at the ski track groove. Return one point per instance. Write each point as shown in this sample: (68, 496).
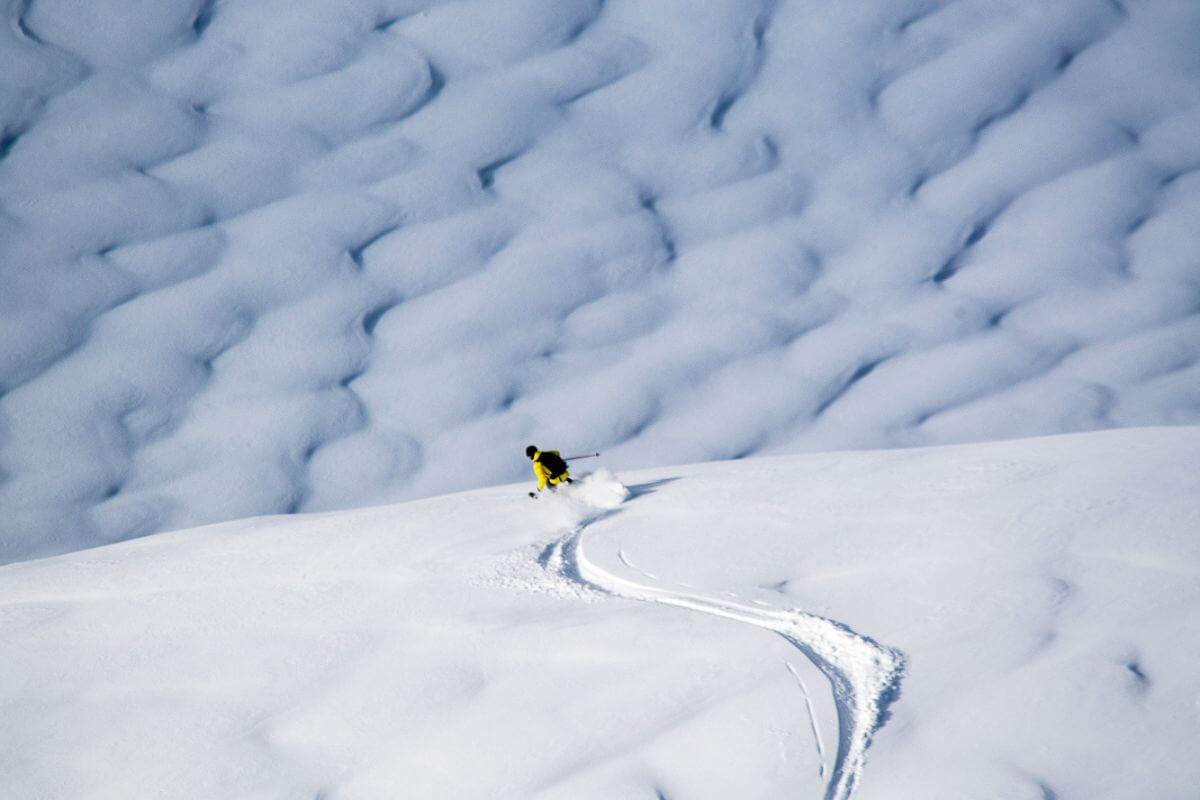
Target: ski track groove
(865, 676)
(812, 716)
(625, 560)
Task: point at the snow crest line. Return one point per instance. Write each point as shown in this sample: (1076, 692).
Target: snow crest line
(865, 675)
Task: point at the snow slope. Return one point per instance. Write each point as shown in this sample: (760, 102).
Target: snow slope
(299, 255)
(1016, 619)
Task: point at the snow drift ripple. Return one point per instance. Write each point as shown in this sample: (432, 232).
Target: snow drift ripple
(865, 675)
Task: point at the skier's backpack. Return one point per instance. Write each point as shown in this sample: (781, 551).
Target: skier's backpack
(553, 463)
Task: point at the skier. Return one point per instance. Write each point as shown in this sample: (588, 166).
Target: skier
(549, 467)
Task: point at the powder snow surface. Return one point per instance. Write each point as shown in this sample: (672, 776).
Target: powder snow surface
(263, 256)
(1010, 620)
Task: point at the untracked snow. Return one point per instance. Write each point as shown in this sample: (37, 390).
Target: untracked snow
(1016, 619)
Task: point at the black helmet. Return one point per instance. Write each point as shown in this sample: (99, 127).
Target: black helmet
(529, 451)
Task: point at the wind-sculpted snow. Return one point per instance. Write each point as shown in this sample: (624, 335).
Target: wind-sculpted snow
(261, 257)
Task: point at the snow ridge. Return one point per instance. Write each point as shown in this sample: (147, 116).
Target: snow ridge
(865, 676)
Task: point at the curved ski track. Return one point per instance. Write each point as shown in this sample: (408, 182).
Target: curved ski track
(864, 675)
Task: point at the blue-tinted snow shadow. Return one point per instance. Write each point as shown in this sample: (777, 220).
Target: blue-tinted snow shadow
(647, 488)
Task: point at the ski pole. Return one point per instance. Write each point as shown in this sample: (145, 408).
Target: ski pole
(576, 458)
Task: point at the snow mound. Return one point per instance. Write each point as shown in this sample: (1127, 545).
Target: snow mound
(1036, 603)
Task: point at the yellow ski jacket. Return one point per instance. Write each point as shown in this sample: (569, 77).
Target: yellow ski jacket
(543, 474)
